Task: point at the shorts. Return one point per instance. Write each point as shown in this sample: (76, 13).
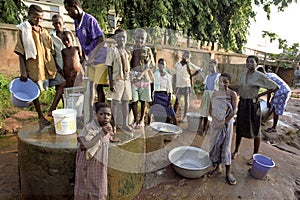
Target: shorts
(123, 90)
(98, 73)
(182, 91)
(142, 94)
(45, 84)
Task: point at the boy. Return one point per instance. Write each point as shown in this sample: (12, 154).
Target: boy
(222, 109)
(92, 156)
(183, 75)
(35, 50)
(163, 90)
(72, 61)
(141, 75)
(211, 84)
(56, 34)
(119, 82)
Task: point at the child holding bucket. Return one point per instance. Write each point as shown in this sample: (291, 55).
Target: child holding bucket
(222, 109)
(35, 50)
(92, 156)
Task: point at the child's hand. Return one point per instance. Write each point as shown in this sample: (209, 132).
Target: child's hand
(107, 129)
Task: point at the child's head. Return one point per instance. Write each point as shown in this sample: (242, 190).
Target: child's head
(73, 7)
(67, 38)
(212, 66)
(103, 113)
(120, 37)
(186, 56)
(140, 37)
(224, 81)
(57, 22)
(35, 14)
(251, 62)
(161, 64)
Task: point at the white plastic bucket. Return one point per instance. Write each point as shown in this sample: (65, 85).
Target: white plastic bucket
(193, 119)
(64, 121)
(75, 101)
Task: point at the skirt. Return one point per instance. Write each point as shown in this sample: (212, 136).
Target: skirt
(248, 119)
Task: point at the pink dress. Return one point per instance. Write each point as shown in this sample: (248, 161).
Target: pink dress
(91, 173)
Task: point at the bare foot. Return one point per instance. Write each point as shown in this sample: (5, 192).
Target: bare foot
(44, 121)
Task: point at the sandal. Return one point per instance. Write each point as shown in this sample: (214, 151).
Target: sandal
(269, 130)
(250, 161)
(234, 155)
(231, 180)
(216, 171)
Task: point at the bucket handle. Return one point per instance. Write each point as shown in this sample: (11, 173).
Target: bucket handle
(60, 120)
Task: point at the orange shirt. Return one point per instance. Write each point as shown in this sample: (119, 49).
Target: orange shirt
(43, 67)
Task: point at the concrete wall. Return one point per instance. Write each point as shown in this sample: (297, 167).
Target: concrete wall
(232, 63)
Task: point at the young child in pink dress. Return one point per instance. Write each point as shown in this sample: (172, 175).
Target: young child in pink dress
(92, 156)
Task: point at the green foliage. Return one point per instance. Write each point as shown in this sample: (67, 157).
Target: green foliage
(5, 97)
(198, 86)
(99, 9)
(289, 55)
(12, 11)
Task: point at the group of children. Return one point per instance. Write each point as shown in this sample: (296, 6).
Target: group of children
(55, 60)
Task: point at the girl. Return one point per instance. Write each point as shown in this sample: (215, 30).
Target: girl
(92, 156)
(222, 109)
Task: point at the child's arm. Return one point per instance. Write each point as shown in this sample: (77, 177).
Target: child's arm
(84, 144)
(210, 106)
(234, 106)
(96, 50)
(111, 82)
(23, 70)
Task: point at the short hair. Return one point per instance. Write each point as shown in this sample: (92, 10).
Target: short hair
(67, 32)
(34, 9)
(120, 30)
(72, 2)
(141, 30)
(261, 69)
(227, 75)
(100, 105)
(253, 56)
(56, 16)
(161, 60)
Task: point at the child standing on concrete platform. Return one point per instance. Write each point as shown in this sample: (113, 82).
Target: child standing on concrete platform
(35, 50)
(142, 64)
(118, 64)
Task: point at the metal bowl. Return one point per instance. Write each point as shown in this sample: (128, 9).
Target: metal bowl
(169, 131)
(190, 162)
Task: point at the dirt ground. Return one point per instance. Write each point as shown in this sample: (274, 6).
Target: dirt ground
(282, 182)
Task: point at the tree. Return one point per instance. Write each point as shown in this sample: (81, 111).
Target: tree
(12, 11)
(224, 22)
